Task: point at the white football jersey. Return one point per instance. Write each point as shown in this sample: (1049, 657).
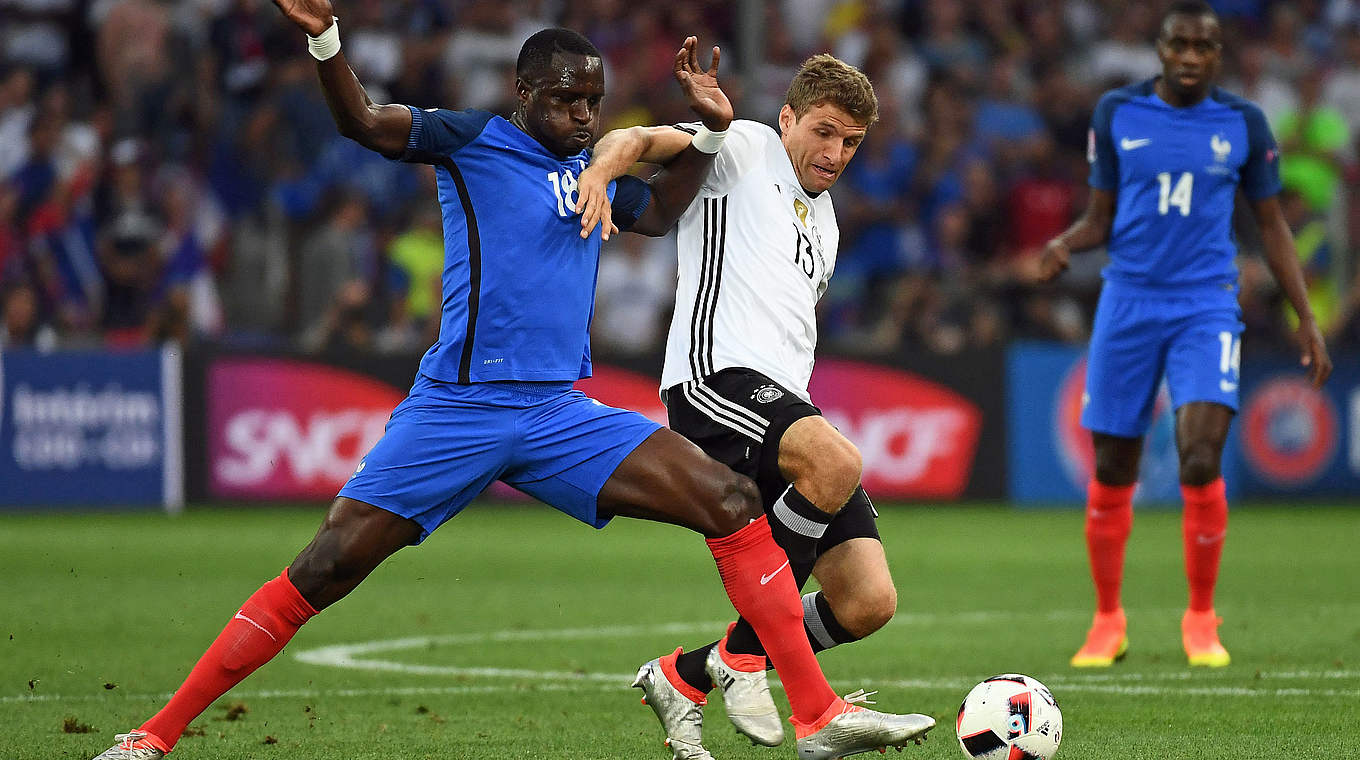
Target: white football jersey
(756, 252)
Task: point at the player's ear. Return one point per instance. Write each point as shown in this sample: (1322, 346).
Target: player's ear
(523, 90)
(786, 119)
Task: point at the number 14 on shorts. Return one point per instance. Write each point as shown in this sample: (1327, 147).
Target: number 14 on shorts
(1229, 361)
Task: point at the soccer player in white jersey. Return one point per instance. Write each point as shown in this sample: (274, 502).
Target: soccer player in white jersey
(757, 247)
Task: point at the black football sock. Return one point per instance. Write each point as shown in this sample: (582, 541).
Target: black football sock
(823, 629)
(690, 667)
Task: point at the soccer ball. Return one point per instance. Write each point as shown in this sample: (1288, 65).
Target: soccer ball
(1010, 717)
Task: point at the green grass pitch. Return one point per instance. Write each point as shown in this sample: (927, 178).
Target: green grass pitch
(514, 632)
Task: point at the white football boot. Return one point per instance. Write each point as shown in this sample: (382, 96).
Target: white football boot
(857, 729)
(131, 746)
(681, 717)
(746, 696)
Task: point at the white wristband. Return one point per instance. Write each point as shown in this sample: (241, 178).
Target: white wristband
(326, 44)
(706, 141)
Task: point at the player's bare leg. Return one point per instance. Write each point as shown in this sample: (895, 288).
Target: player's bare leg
(1109, 519)
(353, 539)
(857, 585)
(1201, 430)
(669, 479)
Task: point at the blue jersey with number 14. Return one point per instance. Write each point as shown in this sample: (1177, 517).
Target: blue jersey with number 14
(1175, 172)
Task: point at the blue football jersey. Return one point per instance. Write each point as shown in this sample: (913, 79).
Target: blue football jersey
(518, 280)
(1175, 172)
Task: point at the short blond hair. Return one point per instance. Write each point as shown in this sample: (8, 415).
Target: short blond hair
(824, 79)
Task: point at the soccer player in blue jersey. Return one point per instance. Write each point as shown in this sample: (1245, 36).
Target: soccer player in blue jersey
(493, 399)
(1167, 158)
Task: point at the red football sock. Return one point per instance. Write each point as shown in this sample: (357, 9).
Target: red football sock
(1204, 525)
(257, 632)
(760, 584)
(1109, 519)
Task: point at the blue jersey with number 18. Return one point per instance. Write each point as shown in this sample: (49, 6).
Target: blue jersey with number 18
(1175, 172)
(518, 280)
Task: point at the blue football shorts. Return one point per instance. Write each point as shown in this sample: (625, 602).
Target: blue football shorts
(1192, 337)
(445, 443)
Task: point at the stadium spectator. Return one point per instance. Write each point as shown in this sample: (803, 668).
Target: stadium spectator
(1126, 55)
(336, 265)
(1312, 137)
(1260, 84)
(219, 90)
(415, 263)
(17, 108)
(634, 293)
(21, 326)
(1342, 90)
(129, 260)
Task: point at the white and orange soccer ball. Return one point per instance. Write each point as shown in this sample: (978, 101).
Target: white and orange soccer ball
(1010, 717)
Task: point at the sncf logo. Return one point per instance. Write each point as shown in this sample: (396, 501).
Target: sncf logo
(265, 444)
(290, 429)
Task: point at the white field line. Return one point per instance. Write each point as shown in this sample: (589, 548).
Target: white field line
(618, 681)
(350, 656)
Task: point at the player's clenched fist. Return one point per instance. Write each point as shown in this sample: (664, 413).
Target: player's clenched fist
(312, 16)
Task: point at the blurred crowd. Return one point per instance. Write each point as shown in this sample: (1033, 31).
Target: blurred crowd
(169, 169)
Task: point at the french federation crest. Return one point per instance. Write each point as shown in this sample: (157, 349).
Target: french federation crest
(1221, 148)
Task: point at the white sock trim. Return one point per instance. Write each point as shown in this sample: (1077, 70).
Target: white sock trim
(813, 620)
(796, 522)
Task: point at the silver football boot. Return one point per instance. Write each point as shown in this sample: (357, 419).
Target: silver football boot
(859, 729)
(130, 747)
(746, 696)
(681, 717)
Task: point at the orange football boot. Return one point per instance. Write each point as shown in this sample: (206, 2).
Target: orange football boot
(1106, 642)
(1199, 636)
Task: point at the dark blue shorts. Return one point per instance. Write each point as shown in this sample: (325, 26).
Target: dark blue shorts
(445, 443)
(1193, 338)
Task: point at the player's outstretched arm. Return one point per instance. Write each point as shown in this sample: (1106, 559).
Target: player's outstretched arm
(383, 128)
(1091, 229)
(676, 185)
(1283, 259)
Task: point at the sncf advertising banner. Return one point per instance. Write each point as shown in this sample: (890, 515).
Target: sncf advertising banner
(1296, 439)
(918, 439)
(285, 429)
(282, 428)
(1051, 456)
(90, 428)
